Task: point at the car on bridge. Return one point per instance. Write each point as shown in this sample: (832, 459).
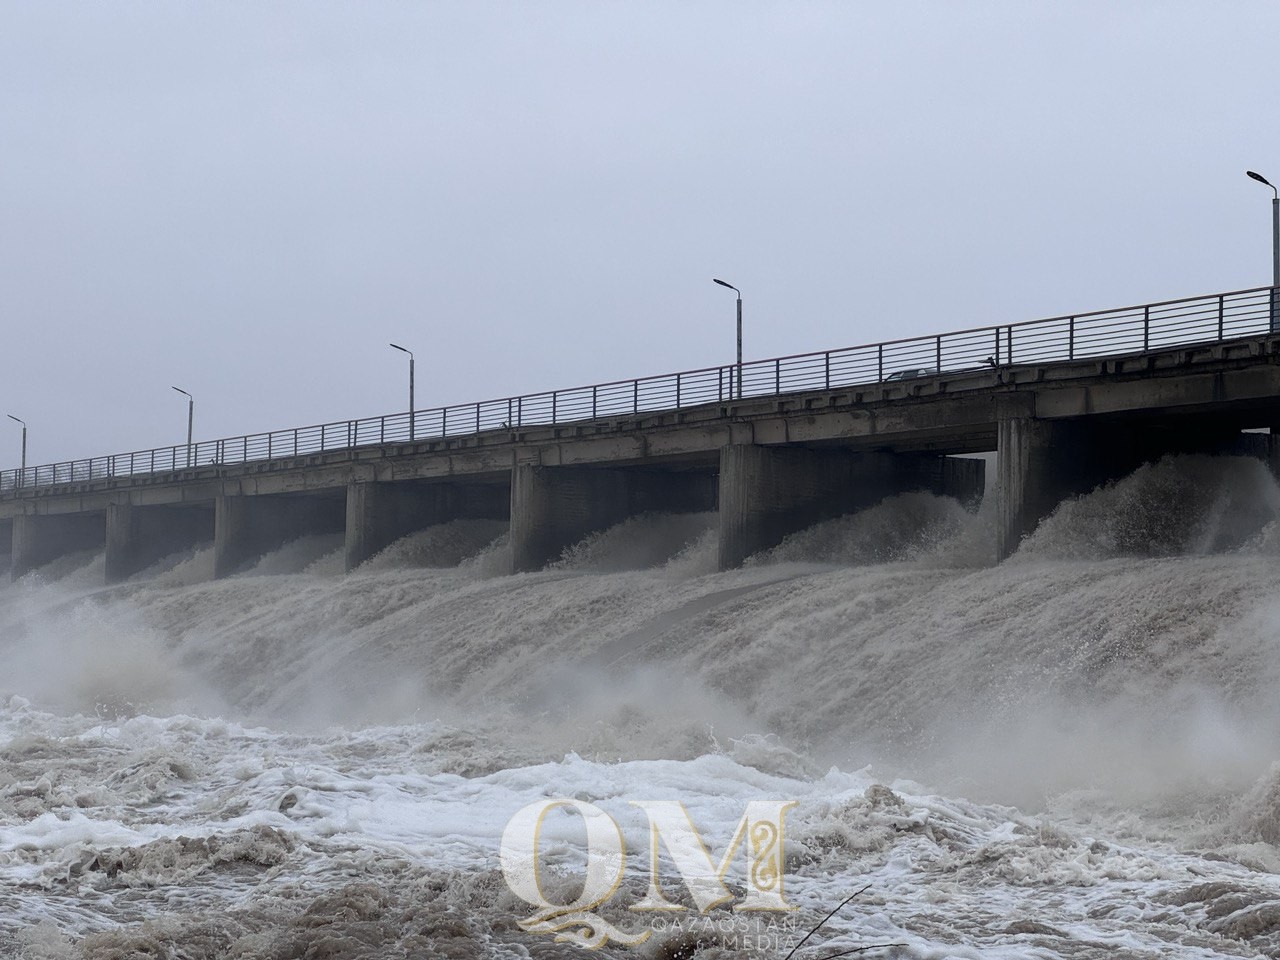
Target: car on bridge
(911, 373)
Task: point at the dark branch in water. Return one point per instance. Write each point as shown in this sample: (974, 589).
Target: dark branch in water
(840, 906)
(869, 946)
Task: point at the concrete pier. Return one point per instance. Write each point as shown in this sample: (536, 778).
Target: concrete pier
(247, 527)
(767, 493)
(138, 537)
(6, 546)
(43, 538)
(1038, 468)
(555, 507)
(380, 513)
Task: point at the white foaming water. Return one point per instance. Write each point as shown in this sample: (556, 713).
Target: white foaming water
(1181, 505)
(443, 545)
(83, 569)
(321, 555)
(649, 540)
(180, 569)
(696, 558)
(910, 526)
(191, 766)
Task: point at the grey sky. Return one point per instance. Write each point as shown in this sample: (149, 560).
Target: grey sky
(250, 199)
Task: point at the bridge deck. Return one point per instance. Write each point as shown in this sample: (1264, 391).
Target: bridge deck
(1139, 340)
(1234, 382)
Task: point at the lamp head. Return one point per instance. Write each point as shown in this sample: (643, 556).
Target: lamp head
(1263, 180)
(400, 348)
(12, 417)
(724, 283)
(184, 393)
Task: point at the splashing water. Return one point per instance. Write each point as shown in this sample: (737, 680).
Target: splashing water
(1182, 505)
(283, 765)
(909, 526)
(443, 545)
(320, 555)
(648, 540)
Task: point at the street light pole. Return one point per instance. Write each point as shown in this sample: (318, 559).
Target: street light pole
(191, 419)
(22, 474)
(1275, 246)
(410, 353)
(737, 391)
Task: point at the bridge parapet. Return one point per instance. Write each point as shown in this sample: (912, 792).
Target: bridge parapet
(1142, 329)
(812, 440)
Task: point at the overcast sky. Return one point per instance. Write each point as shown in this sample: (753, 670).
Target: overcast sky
(249, 200)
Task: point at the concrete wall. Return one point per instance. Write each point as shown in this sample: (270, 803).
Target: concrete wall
(137, 537)
(41, 539)
(554, 507)
(380, 513)
(6, 546)
(1263, 446)
(964, 479)
(247, 527)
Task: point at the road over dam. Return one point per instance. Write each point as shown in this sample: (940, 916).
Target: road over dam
(1066, 403)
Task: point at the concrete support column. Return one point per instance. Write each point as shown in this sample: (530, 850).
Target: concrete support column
(380, 513)
(138, 537)
(1043, 462)
(373, 516)
(1027, 488)
(6, 545)
(555, 507)
(41, 539)
(767, 493)
(247, 527)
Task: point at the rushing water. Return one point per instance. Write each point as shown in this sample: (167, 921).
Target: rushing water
(1067, 755)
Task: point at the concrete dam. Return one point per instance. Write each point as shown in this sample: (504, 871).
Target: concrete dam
(1066, 403)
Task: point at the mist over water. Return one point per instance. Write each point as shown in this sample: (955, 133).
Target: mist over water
(294, 760)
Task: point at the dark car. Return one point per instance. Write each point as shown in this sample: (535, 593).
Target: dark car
(911, 373)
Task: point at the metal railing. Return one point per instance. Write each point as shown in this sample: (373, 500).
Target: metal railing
(1105, 333)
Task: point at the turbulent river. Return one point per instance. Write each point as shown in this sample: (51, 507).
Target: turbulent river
(1073, 754)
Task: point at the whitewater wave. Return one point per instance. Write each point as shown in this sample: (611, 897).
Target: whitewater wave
(442, 545)
(180, 569)
(641, 542)
(362, 845)
(1181, 505)
(909, 526)
(319, 554)
(273, 764)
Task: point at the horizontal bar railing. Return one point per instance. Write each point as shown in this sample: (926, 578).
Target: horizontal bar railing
(1105, 333)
